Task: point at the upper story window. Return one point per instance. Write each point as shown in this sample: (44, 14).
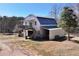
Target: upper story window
(35, 22)
(30, 24)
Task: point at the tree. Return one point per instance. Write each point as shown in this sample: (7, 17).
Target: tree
(7, 24)
(54, 12)
(68, 20)
(76, 7)
(4, 23)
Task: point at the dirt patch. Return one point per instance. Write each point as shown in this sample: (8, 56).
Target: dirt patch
(20, 46)
(48, 48)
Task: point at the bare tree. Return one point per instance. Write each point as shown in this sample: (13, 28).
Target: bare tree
(76, 8)
(53, 12)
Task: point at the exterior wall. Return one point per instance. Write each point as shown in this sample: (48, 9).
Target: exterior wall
(32, 19)
(46, 34)
(36, 26)
(54, 32)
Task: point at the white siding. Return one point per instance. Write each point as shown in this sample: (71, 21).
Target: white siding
(34, 19)
(56, 31)
(36, 26)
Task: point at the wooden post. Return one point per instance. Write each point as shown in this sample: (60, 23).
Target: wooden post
(25, 34)
(68, 37)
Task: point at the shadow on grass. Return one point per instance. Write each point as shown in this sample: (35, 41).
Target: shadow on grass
(75, 41)
(59, 39)
(40, 39)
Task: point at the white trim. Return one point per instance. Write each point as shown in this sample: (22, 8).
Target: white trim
(49, 25)
(54, 28)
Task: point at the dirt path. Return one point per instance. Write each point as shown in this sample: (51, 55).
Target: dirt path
(7, 49)
(16, 46)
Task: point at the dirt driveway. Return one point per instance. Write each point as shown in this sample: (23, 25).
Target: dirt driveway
(18, 46)
(7, 51)
(8, 47)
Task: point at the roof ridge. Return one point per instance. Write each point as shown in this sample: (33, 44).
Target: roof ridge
(41, 16)
(45, 17)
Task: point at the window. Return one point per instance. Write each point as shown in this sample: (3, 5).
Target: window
(30, 24)
(35, 22)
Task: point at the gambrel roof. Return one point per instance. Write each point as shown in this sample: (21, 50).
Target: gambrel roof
(46, 21)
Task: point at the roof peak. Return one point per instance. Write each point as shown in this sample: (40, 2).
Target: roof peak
(41, 16)
(45, 17)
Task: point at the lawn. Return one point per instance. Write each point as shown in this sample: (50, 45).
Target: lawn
(43, 48)
(50, 48)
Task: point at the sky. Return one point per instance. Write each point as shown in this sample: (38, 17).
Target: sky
(24, 9)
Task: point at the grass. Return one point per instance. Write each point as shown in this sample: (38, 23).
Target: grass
(0, 48)
(49, 48)
(44, 48)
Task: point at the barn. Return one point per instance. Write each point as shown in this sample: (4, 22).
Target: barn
(37, 27)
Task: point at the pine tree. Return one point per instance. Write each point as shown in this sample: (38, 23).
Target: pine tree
(68, 21)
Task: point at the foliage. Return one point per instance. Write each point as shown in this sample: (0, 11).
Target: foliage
(68, 20)
(7, 24)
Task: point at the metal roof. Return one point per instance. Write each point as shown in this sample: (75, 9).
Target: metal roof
(46, 21)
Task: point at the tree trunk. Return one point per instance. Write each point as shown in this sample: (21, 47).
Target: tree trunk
(68, 38)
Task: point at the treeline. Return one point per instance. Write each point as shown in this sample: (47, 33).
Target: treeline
(7, 24)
